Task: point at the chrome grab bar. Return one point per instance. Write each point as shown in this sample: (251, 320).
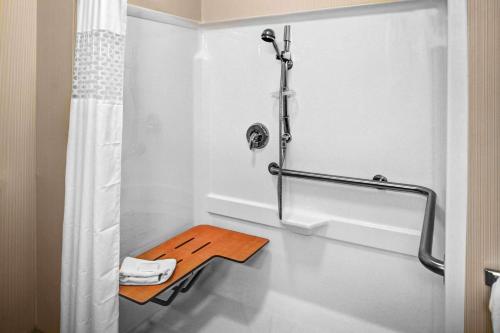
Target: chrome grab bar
(427, 234)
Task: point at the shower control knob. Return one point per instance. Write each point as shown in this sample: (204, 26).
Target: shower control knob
(257, 136)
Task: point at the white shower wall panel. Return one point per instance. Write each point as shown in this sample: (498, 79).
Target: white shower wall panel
(157, 156)
(370, 99)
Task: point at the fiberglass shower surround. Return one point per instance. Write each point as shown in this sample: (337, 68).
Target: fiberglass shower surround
(359, 116)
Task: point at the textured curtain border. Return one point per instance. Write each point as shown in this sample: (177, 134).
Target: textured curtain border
(98, 70)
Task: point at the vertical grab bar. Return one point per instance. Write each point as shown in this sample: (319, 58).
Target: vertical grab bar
(427, 234)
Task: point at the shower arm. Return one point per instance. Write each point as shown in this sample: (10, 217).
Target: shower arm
(427, 233)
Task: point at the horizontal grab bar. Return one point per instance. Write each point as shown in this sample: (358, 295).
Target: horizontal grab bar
(427, 235)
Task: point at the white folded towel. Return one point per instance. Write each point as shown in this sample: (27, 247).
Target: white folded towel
(495, 306)
(145, 272)
(143, 281)
(146, 268)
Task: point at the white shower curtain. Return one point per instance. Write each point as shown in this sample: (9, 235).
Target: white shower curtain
(91, 234)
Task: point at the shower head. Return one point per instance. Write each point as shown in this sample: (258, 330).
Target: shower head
(269, 37)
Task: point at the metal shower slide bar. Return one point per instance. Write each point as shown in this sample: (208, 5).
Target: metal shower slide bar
(427, 235)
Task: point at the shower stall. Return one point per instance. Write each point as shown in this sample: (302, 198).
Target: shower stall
(367, 92)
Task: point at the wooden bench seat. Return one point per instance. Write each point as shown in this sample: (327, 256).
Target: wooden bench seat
(193, 249)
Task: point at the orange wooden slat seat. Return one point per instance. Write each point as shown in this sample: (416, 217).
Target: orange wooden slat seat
(192, 249)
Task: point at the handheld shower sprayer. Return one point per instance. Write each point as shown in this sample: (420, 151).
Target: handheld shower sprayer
(285, 136)
(269, 37)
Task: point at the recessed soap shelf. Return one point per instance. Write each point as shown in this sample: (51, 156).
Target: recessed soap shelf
(304, 226)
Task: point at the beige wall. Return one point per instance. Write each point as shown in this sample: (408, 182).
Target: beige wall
(209, 11)
(190, 9)
(483, 234)
(226, 10)
(54, 74)
(17, 164)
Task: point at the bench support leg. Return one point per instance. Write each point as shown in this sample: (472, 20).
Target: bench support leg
(174, 295)
(192, 281)
(183, 287)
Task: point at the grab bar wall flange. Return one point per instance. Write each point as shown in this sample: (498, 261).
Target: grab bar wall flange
(427, 235)
(491, 276)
